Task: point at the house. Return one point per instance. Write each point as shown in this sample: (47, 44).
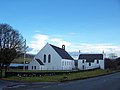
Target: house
(91, 61)
(51, 57)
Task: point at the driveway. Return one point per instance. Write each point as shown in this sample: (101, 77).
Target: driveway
(108, 82)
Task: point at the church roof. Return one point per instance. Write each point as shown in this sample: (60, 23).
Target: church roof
(39, 61)
(61, 52)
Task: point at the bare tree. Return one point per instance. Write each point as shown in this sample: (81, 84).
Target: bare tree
(11, 45)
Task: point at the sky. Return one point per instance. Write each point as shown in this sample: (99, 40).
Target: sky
(85, 25)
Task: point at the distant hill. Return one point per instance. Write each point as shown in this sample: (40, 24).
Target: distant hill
(74, 55)
(28, 58)
(27, 55)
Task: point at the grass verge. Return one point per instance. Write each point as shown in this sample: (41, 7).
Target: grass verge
(65, 77)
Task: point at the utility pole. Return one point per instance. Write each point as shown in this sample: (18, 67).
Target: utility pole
(24, 54)
(25, 48)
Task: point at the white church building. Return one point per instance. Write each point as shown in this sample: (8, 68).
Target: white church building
(51, 57)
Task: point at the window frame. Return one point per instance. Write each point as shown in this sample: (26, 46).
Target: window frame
(49, 58)
(34, 67)
(44, 58)
(89, 64)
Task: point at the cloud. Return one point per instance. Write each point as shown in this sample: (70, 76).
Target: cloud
(72, 33)
(83, 47)
(39, 40)
(93, 48)
(60, 42)
(37, 31)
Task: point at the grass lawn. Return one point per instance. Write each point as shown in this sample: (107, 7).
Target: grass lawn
(58, 78)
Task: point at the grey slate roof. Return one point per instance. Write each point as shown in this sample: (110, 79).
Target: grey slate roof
(39, 61)
(61, 52)
(91, 57)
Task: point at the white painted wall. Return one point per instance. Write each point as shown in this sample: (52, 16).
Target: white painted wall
(93, 64)
(67, 64)
(80, 64)
(56, 61)
(34, 63)
(102, 64)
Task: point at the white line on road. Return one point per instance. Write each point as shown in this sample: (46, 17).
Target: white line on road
(60, 84)
(16, 86)
(46, 86)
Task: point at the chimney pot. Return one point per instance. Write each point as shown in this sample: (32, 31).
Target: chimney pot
(63, 47)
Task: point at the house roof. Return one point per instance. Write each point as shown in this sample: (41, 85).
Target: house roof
(91, 57)
(61, 52)
(39, 61)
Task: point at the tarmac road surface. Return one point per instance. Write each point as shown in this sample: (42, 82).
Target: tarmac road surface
(107, 82)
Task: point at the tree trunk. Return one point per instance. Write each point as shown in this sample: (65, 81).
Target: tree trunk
(5, 71)
(1, 73)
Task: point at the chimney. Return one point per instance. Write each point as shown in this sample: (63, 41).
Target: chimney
(103, 52)
(104, 55)
(63, 47)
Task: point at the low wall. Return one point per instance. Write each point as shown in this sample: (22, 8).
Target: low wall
(34, 74)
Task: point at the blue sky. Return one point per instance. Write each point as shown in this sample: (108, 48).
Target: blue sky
(76, 23)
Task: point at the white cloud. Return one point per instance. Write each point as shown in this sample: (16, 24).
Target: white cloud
(95, 48)
(39, 40)
(37, 31)
(60, 42)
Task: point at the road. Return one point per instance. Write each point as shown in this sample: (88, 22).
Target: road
(108, 82)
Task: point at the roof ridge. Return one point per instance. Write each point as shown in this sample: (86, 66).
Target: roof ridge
(90, 57)
(56, 46)
(63, 53)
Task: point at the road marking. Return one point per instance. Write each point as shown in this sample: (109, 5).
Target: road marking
(60, 84)
(16, 86)
(46, 86)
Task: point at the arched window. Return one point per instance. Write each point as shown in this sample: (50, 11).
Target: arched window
(49, 58)
(44, 58)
